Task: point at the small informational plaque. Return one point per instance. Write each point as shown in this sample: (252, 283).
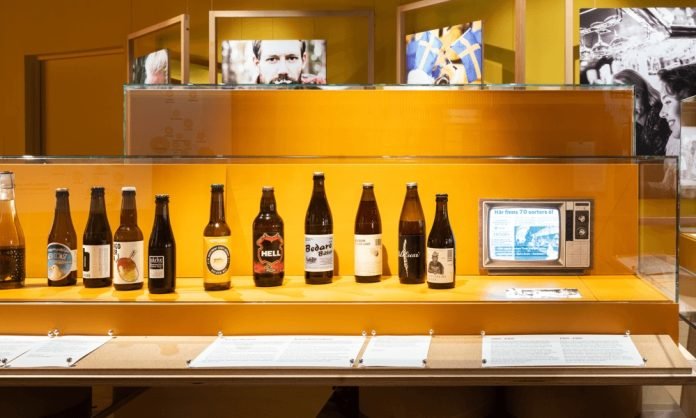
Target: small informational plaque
(396, 351)
(560, 351)
(13, 346)
(542, 293)
(281, 351)
(59, 351)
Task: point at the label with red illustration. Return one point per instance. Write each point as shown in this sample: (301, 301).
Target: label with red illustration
(269, 254)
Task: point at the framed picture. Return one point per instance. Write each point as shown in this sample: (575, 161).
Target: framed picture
(292, 61)
(152, 68)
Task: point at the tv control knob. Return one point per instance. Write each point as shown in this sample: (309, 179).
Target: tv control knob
(582, 218)
(582, 232)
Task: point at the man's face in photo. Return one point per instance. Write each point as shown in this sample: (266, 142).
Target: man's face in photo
(280, 62)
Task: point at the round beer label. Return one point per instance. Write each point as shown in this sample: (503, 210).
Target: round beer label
(218, 259)
(60, 261)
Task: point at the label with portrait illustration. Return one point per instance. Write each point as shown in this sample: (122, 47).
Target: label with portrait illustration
(319, 255)
(128, 262)
(61, 261)
(269, 253)
(368, 255)
(96, 261)
(411, 257)
(217, 260)
(440, 265)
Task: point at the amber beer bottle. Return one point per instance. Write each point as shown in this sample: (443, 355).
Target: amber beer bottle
(12, 248)
(412, 238)
(368, 238)
(161, 250)
(269, 245)
(319, 254)
(216, 237)
(62, 244)
(128, 246)
(441, 252)
(97, 243)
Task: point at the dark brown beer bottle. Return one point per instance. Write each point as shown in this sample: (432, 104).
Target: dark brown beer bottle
(412, 238)
(161, 260)
(62, 244)
(12, 247)
(368, 238)
(441, 252)
(97, 244)
(128, 246)
(269, 245)
(216, 237)
(319, 253)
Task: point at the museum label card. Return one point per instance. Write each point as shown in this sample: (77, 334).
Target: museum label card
(13, 346)
(281, 351)
(542, 293)
(560, 350)
(59, 351)
(396, 351)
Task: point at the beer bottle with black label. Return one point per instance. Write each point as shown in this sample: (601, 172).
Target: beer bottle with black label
(62, 244)
(161, 260)
(268, 247)
(97, 243)
(412, 238)
(441, 252)
(216, 237)
(12, 248)
(128, 246)
(319, 254)
(368, 238)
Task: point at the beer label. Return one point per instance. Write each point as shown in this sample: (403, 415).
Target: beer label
(411, 257)
(128, 262)
(440, 265)
(217, 260)
(156, 267)
(61, 261)
(319, 255)
(368, 255)
(96, 261)
(269, 254)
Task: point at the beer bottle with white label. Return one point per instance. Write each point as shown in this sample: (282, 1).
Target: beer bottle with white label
(62, 244)
(441, 252)
(97, 243)
(268, 246)
(128, 246)
(161, 251)
(412, 238)
(319, 254)
(12, 247)
(368, 238)
(216, 237)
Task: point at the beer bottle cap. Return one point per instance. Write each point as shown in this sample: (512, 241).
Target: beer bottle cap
(319, 174)
(411, 185)
(367, 185)
(217, 187)
(441, 196)
(128, 189)
(97, 189)
(62, 191)
(161, 198)
(267, 188)
(6, 180)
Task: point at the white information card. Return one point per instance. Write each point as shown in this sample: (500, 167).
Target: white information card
(281, 351)
(560, 350)
(396, 351)
(13, 346)
(59, 351)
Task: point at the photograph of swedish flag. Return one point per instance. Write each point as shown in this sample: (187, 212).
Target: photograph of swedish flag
(449, 55)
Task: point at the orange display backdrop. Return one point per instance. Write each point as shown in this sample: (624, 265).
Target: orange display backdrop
(379, 120)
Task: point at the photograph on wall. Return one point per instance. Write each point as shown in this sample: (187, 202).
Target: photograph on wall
(654, 50)
(152, 68)
(290, 61)
(449, 55)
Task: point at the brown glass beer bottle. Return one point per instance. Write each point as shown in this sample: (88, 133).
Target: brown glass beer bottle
(412, 238)
(161, 251)
(129, 253)
(441, 252)
(216, 237)
(62, 244)
(269, 245)
(97, 243)
(368, 238)
(12, 247)
(319, 253)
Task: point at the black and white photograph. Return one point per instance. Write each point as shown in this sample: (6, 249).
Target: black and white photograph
(152, 68)
(293, 61)
(654, 50)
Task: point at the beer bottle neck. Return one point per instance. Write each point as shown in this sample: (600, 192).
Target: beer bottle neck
(62, 209)
(268, 202)
(7, 194)
(129, 213)
(441, 216)
(368, 195)
(162, 211)
(97, 205)
(217, 207)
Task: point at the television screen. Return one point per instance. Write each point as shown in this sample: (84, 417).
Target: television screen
(524, 234)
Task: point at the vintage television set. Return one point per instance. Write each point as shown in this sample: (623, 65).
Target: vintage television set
(536, 236)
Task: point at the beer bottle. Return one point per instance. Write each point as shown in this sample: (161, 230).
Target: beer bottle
(62, 244)
(412, 238)
(216, 237)
(368, 238)
(128, 245)
(319, 255)
(97, 243)
(268, 247)
(161, 250)
(441, 253)
(12, 249)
